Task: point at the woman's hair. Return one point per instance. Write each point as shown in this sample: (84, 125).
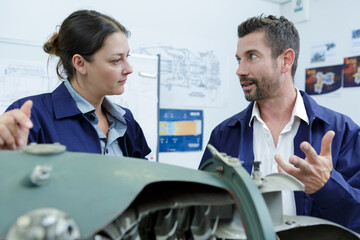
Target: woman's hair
(83, 32)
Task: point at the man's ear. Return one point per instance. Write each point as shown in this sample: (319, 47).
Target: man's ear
(288, 60)
(79, 64)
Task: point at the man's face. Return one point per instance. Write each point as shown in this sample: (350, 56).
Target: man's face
(258, 72)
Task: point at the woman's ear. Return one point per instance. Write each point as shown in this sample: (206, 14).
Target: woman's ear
(288, 60)
(79, 64)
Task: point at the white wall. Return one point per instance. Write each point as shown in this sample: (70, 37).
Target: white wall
(193, 24)
(333, 21)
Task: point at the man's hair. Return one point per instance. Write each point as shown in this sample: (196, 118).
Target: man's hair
(280, 34)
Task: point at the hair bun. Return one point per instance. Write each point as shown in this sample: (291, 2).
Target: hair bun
(51, 46)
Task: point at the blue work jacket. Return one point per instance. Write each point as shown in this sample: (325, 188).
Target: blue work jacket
(56, 118)
(339, 199)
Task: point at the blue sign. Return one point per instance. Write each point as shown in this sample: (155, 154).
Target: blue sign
(180, 130)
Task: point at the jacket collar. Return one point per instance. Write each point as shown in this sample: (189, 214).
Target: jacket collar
(242, 117)
(64, 105)
(313, 110)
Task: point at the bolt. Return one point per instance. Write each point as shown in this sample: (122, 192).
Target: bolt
(23, 221)
(220, 169)
(288, 222)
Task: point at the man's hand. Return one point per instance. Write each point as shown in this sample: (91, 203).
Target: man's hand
(313, 171)
(15, 126)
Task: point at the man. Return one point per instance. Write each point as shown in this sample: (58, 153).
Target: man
(15, 126)
(287, 131)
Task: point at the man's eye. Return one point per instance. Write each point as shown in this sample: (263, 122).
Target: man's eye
(252, 56)
(238, 60)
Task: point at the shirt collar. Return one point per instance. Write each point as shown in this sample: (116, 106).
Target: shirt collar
(85, 107)
(298, 111)
(114, 110)
(299, 108)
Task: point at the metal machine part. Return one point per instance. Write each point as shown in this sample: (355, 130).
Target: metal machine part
(44, 223)
(127, 198)
(40, 174)
(34, 148)
(112, 198)
(184, 211)
(271, 186)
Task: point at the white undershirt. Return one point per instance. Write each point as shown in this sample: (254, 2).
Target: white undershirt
(265, 150)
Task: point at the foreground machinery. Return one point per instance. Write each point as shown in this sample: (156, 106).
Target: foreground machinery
(48, 193)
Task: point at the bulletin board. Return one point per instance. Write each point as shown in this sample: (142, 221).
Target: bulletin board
(26, 70)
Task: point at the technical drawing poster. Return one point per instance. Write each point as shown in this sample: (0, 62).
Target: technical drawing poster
(187, 78)
(180, 130)
(20, 79)
(352, 72)
(323, 79)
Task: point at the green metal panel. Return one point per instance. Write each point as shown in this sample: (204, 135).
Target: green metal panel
(92, 189)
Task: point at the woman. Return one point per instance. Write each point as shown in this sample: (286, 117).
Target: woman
(93, 61)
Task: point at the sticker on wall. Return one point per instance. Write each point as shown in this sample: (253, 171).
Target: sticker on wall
(180, 130)
(352, 71)
(355, 40)
(323, 79)
(323, 52)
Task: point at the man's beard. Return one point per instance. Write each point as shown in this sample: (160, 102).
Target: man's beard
(262, 90)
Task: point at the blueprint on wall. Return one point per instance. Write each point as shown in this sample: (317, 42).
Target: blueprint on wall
(19, 79)
(187, 79)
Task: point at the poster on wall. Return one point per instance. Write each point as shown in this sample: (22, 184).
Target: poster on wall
(323, 80)
(20, 79)
(323, 52)
(352, 71)
(355, 40)
(180, 130)
(188, 78)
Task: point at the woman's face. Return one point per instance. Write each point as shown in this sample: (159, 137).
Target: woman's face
(107, 73)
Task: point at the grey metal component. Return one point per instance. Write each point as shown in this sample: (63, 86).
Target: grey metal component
(230, 161)
(34, 148)
(232, 229)
(40, 174)
(295, 227)
(176, 214)
(280, 182)
(271, 187)
(256, 174)
(274, 202)
(310, 228)
(44, 223)
(201, 226)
